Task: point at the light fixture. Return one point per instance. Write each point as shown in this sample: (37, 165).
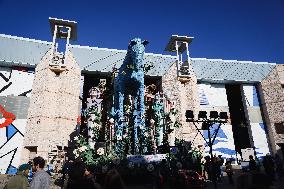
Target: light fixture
(202, 115)
(214, 115)
(207, 126)
(223, 115)
(189, 115)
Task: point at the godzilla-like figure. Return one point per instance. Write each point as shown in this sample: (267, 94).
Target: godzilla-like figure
(130, 81)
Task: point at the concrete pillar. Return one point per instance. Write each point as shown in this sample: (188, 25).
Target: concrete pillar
(272, 102)
(53, 107)
(186, 97)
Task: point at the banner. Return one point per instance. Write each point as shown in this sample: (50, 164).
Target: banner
(146, 158)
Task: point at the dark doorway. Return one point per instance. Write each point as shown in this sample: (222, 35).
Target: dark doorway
(238, 119)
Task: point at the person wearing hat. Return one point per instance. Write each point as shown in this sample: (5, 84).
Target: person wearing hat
(20, 181)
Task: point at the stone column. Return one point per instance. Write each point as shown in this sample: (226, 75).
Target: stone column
(186, 97)
(272, 103)
(53, 107)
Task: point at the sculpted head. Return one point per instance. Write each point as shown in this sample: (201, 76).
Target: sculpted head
(136, 48)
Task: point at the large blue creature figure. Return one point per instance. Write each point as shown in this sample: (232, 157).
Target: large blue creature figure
(130, 81)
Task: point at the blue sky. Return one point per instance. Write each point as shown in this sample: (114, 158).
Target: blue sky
(227, 29)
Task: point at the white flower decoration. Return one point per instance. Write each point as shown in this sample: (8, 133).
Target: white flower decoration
(76, 138)
(119, 137)
(130, 165)
(150, 167)
(100, 151)
(111, 120)
(75, 152)
(82, 148)
(146, 134)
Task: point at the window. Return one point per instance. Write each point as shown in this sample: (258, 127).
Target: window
(32, 152)
(279, 127)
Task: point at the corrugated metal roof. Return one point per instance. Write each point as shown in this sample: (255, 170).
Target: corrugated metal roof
(211, 70)
(21, 51)
(103, 60)
(219, 70)
(28, 52)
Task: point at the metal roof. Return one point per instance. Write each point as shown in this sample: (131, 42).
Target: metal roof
(28, 52)
(103, 60)
(66, 23)
(171, 46)
(211, 70)
(222, 71)
(18, 51)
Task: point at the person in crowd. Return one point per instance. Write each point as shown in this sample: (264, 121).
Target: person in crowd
(113, 180)
(90, 177)
(20, 181)
(49, 169)
(41, 179)
(269, 167)
(77, 177)
(220, 162)
(252, 180)
(258, 163)
(229, 171)
(76, 172)
(30, 174)
(279, 166)
(65, 170)
(215, 168)
(158, 177)
(208, 167)
(252, 164)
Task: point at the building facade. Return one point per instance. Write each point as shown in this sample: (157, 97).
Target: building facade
(47, 104)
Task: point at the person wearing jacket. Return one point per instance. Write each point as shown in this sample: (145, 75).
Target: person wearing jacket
(20, 181)
(41, 179)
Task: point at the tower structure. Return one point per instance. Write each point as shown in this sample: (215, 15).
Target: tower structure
(179, 44)
(54, 102)
(182, 90)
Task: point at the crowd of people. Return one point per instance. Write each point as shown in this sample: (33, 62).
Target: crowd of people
(258, 174)
(214, 168)
(82, 176)
(40, 179)
(78, 175)
(261, 174)
(75, 175)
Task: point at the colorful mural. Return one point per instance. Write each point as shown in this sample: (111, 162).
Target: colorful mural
(15, 90)
(7, 116)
